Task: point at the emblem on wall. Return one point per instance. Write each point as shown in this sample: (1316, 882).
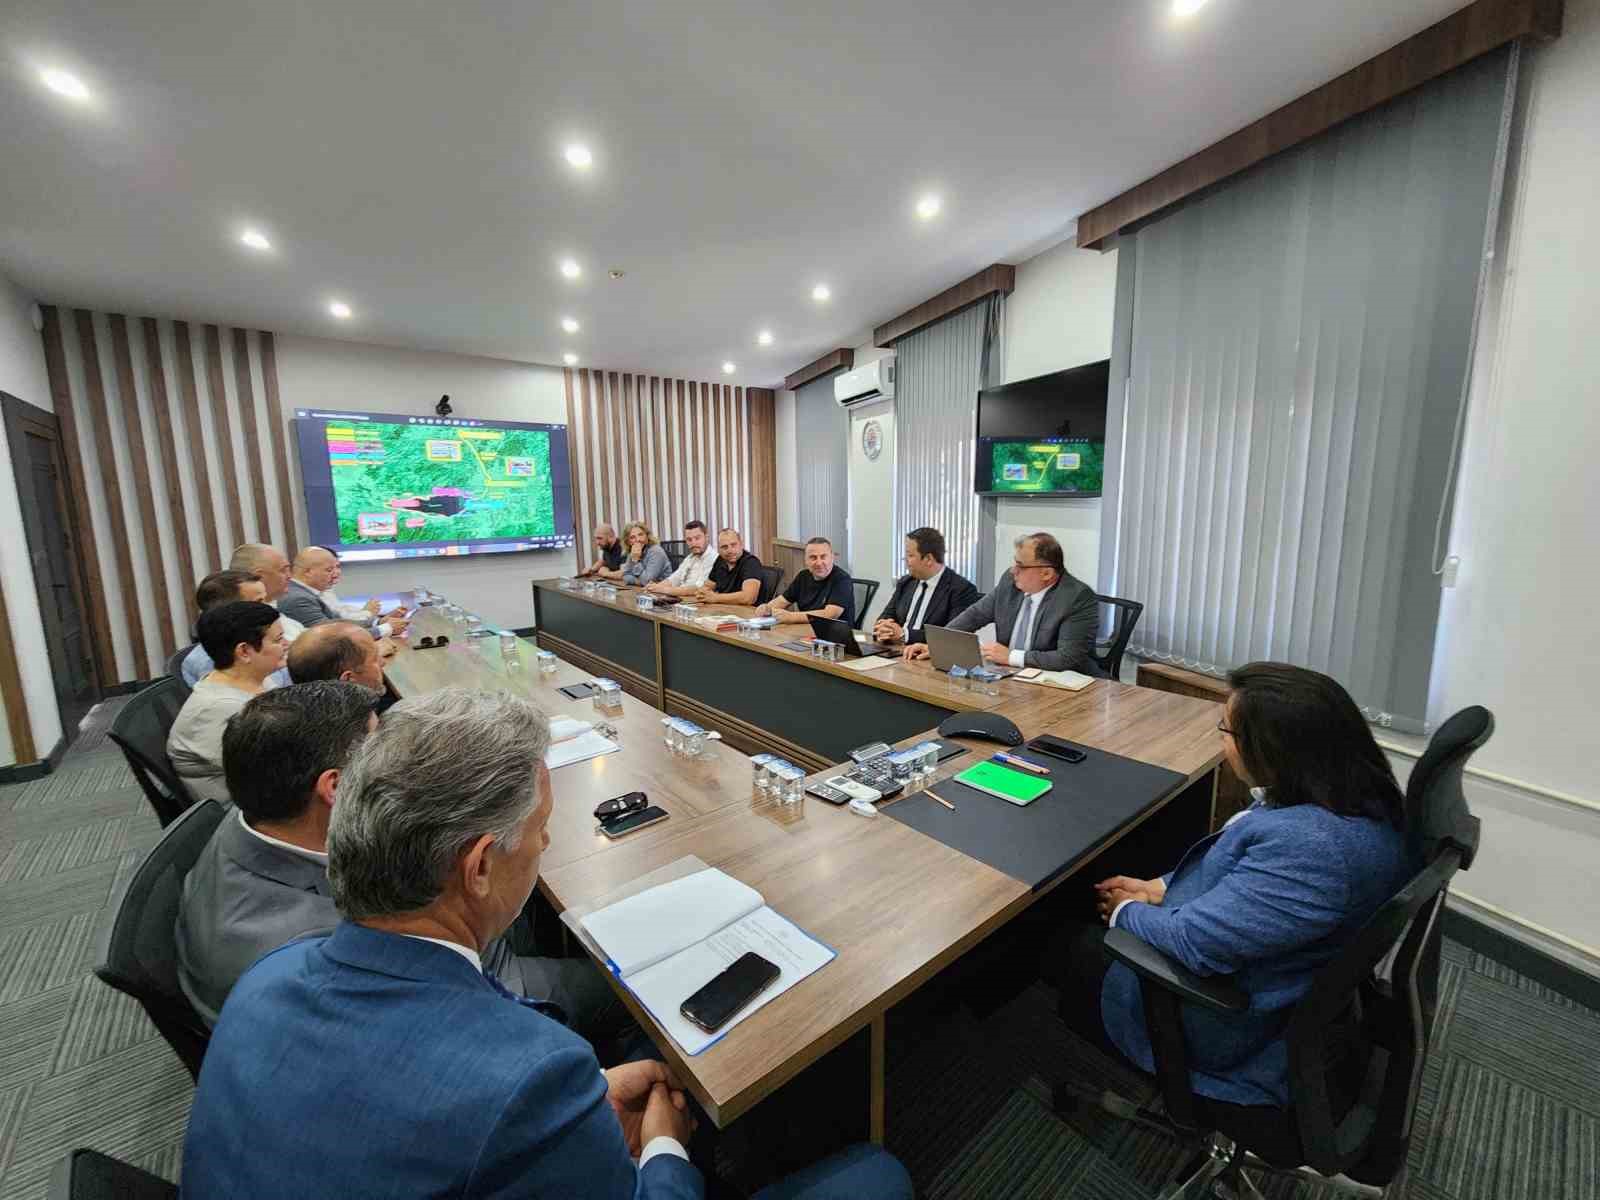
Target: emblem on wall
(872, 440)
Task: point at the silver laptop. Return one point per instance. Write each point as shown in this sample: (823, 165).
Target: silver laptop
(956, 648)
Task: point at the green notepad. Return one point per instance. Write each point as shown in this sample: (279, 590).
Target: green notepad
(1004, 782)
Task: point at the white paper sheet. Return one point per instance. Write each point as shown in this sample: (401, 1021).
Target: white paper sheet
(563, 729)
(868, 664)
(664, 987)
(658, 923)
(579, 749)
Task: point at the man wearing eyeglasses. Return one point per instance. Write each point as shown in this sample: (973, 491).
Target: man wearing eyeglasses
(1048, 618)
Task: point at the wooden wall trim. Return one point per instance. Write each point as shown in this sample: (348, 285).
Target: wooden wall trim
(138, 460)
(98, 616)
(197, 433)
(841, 359)
(1474, 30)
(998, 277)
(763, 433)
(222, 426)
(244, 392)
(278, 438)
(161, 405)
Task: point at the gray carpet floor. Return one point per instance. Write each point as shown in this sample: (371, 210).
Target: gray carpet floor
(1510, 1106)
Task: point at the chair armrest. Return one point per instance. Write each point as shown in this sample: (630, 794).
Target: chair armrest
(1151, 964)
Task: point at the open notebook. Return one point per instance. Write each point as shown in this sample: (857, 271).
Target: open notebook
(665, 943)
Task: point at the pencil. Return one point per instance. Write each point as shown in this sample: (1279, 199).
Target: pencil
(1021, 763)
(939, 798)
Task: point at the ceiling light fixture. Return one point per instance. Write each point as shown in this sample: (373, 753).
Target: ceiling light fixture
(255, 239)
(570, 325)
(928, 207)
(570, 268)
(1187, 8)
(570, 359)
(578, 155)
(339, 309)
(64, 83)
(728, 368)
(764, 338)
(820, 293)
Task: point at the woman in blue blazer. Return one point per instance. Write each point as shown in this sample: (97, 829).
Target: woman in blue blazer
(1267, 900)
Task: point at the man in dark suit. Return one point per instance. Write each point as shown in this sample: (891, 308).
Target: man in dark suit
(929, 593)
(314, 571)
(383, 1061)
(1047, 618)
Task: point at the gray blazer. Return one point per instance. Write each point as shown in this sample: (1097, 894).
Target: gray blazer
(305, 606)
(653, 564)
(1063, 638)
(242, 898)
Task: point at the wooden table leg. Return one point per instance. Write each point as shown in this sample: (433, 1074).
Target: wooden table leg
(876, 1053)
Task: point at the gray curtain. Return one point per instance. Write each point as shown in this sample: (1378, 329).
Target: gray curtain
(939, 372)
(1297, 346)
(822, 467)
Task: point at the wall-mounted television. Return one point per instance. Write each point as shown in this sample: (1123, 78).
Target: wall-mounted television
(383, 485)
(1044, 436)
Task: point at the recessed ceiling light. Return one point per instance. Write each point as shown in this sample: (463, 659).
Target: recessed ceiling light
(728, 368)
(570, 359)
(255, 239)
(578, 155)
(64, 83)
(821, 293)
(339, 309)
(1187, 8)
(570, 268)
(928, 207)
(764, 338)
(570, 325)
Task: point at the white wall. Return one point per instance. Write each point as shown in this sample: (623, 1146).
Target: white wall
(1517, 633)
(1059, 316)
(316, 372)
(22, 373)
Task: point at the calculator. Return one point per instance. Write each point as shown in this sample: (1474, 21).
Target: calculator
(876, 774)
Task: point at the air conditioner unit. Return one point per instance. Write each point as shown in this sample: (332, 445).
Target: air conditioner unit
(875, 381)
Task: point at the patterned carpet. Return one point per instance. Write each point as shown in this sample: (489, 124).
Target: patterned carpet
(1510, 1105)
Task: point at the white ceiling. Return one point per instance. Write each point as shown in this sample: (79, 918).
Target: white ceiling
(406, 156)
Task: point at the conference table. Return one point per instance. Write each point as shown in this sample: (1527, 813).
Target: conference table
(897, 904)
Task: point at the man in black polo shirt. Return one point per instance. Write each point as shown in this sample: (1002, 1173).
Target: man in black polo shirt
(821, 590)
(611, 550)
(736, 578)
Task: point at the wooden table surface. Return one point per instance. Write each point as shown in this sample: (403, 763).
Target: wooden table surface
(898, 906)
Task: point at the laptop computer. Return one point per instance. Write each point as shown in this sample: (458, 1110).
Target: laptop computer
(830, 630)
(956, 648)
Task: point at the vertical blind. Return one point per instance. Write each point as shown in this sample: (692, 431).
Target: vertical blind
(822, 435)
(1299, 348)
(938, 374)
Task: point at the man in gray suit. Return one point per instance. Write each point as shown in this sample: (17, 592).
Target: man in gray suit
(315, 570)
(262, 880)
(1047, 618)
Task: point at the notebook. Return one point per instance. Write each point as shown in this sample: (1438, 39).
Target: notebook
(666, 942)
(1070, 681)
(997, 780)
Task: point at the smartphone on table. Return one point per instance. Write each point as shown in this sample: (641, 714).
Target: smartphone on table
(1056, 748)
(740, 982)
(624, 825)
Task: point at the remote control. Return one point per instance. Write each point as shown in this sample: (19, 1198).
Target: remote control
(870, 751)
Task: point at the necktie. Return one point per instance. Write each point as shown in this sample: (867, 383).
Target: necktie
(552, 1010)
(1022, 636)
(917, 606)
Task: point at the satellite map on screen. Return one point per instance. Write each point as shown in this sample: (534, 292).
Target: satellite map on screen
(431, 483)
(1045, 465)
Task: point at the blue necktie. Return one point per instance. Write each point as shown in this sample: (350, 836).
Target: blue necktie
(550, 1009)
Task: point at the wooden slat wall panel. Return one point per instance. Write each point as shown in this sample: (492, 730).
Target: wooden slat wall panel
(252, 437)
(763, 452)
(222, 424)
(277, 442)
(184, 368)
(155, 572)
(172, 481)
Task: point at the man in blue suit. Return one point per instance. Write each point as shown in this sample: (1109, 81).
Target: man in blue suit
(382, 1061)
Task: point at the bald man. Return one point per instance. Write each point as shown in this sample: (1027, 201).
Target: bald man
(271, 566)
(339, 651)
(611, 553)
(314, 571)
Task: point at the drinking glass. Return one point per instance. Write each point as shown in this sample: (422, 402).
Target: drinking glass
(760, 766)
(609, 698)
(958, 679)
(547, 662)
(508, 646)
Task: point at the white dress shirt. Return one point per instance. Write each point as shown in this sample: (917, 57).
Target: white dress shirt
(1027, 625)
(320, 858)
(359, 613)
(291, 628)
(694, 570)
(922, 598)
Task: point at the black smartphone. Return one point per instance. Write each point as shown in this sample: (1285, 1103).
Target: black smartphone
(610, 810)
(714, 1005)
(578, 691)
(1056, 748)
(624, 825)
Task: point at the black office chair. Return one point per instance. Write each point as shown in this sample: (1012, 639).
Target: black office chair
(140, 732)
(1357, 1041)
(175, 669)
(676, 552)
(865, 590)
(90, 1175)
(771, 581)
(1109, 654)
(138, 954)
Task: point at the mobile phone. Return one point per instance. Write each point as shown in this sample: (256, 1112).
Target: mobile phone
(578, 691)
(714, 1005)
(625, 825)
(610, 810)
(1056, 748)
(1029, 673)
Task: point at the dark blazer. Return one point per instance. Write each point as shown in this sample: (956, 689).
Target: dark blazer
(1063, 636)
(242, 898)
(372, 1064)
(952, 596)
(1269, 901)
(305, 606)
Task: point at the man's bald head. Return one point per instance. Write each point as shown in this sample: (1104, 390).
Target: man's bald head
(336, 650)
(316, 567)
(266, 562)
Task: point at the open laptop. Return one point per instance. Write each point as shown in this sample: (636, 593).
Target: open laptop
(830, 630)
(955, 648)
